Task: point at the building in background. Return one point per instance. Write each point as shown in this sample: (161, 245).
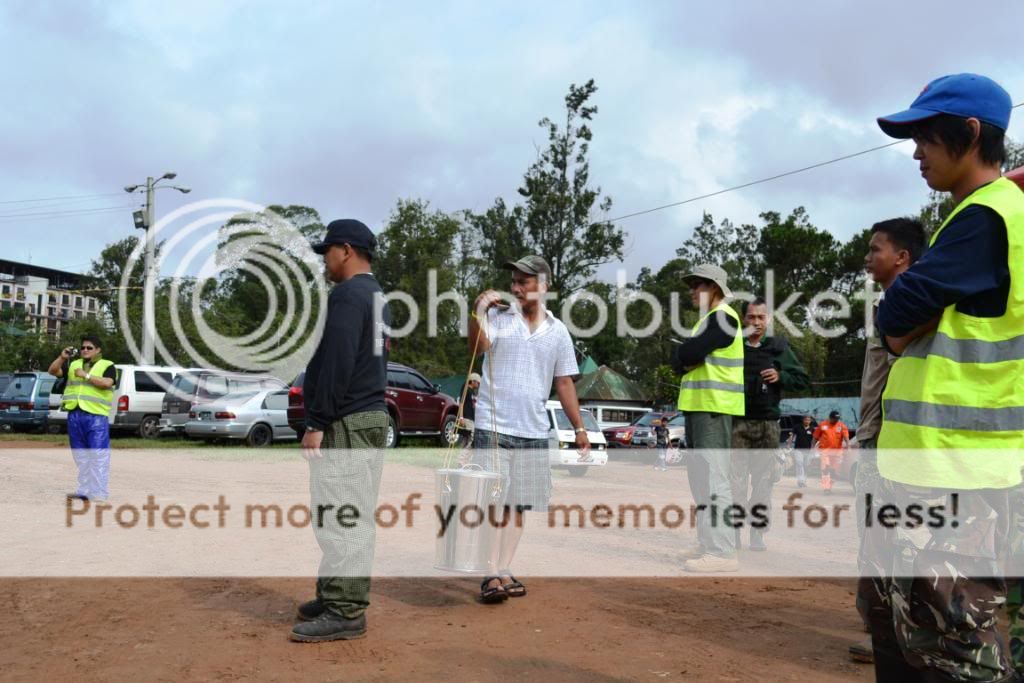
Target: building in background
(48, 298)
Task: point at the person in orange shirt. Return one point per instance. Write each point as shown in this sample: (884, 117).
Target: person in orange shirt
(831, 439)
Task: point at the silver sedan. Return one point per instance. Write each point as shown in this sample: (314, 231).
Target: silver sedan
(259, 418)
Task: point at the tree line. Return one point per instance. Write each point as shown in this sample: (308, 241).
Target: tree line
(559, 213)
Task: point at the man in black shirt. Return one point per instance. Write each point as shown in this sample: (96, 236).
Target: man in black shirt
(347, 418)
(802, 439)
(769, 367)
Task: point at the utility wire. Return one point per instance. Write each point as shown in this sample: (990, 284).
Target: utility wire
(765, 180)
(69, 196)
(68, 212)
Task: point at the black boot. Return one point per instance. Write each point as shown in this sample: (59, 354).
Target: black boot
(308, 611)
(329, 626)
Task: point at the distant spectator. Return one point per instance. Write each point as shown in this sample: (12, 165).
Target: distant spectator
(831, 438)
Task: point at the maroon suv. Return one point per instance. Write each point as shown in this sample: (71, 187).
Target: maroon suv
(416, 407)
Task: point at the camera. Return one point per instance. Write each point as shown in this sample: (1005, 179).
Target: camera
(72, 351)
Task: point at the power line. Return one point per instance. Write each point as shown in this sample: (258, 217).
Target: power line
(765, 180)
(69, 212)
(69, 196)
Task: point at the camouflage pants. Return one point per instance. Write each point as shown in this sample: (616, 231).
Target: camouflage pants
(1015, 580)
(932, 595)
(754, 466)
(344, 483)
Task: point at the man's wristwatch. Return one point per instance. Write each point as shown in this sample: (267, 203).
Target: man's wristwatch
(578, 430)
(313, 429)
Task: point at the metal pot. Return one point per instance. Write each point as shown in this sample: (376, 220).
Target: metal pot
(471, 502)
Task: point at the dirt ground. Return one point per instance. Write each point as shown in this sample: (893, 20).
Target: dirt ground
(423, 629)
(432, 629)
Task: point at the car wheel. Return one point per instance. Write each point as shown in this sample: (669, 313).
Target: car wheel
(260, 436)
(449, 434)
(149, 428)
(53, 429)
(391, 440)
(578, 471)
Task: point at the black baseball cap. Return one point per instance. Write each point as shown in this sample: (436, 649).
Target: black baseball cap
(347, 231)
(531, 265)
(833, 414)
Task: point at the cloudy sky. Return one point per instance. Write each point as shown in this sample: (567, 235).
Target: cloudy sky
(347, 107)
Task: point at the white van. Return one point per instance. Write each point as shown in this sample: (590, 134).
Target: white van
(138, 397)
(138, 394)
(562, 439)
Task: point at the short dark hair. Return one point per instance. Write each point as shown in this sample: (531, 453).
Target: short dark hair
(905, 233)
(757, 301)
(362, 253)
(953, 133)
(92, 339)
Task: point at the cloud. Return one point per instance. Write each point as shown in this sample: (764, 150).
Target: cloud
(348, 107)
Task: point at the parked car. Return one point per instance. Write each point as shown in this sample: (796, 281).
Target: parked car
(415, 406)
(677, 431)
(56, 418)
(138, 398)
(199, 386)
(638, 434)
(562, 451)
(25, 401)
(259, 418)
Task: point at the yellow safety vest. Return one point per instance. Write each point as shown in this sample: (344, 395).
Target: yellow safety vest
(958, 394)
(716, 385)
(81, 394)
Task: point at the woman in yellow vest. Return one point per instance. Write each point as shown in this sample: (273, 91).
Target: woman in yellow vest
(953, 407)
(88, 397)
(711, 393)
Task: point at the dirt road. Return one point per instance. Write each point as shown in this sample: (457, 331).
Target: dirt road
(421, 628)
(432, 629)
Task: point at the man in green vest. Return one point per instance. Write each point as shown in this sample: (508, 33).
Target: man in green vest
(953, 408)
(711, 393)
(88, 397)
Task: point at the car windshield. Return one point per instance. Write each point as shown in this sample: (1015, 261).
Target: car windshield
(237, 398)
(646, 419)
(20, 388)
(678, 421)
(183, 386)
(563, 424)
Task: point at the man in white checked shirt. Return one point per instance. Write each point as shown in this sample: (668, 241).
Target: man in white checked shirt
(526, 350)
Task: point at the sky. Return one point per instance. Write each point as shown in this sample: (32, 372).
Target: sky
(349, 107)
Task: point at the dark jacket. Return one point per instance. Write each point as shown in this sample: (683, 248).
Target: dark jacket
(349, 371)
(761, 398)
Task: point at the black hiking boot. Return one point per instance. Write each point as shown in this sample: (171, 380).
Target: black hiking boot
(329, 626)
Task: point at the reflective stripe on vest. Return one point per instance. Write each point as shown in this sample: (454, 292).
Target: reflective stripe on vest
(955, 399)
(78, 393)
(716, 385)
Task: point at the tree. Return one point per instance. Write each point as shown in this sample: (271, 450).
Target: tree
(557, 220)
(415, 243)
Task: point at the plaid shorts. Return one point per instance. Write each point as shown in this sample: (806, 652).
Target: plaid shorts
(523, 464)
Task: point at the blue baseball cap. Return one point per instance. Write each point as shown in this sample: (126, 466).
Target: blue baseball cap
(963, 95)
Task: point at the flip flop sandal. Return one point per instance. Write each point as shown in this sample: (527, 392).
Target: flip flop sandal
(490, 595)
(514, 587)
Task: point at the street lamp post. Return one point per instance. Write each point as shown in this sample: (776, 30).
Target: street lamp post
(146, 221)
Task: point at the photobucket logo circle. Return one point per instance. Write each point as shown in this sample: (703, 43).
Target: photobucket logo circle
(206, 245)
